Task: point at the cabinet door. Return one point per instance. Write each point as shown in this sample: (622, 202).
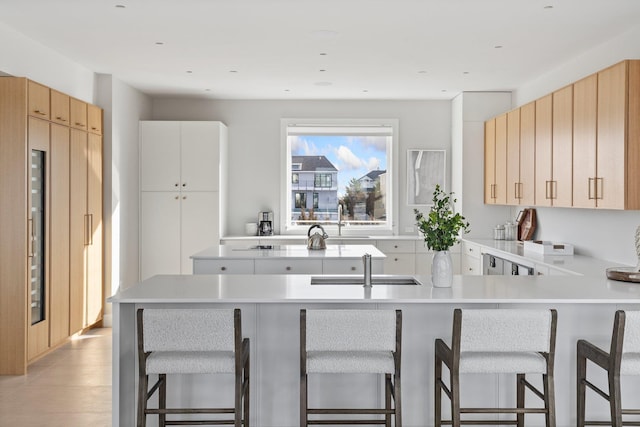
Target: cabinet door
(38, 101)
(562, 150)
(78, 232)
(584, 141)
(200, 158)
(94, 119)
(59, 107)
(78, 112)
(59, 271)
(513, 157)
(501, 160)
(400, 263)
(159, 156)
(527, 154)
(159, 233)
(38, 203)
(611, 128)
(94, 274)
(199, 223)
(543, 151)
(489, 161)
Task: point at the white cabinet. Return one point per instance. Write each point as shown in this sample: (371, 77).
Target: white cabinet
(350, 266)
(400, 256)
(180, 200)
(471, 263)
(284, 266)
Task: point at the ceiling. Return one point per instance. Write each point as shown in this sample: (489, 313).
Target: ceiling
(321, 49)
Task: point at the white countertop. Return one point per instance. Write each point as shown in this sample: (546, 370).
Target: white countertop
(570, 264)
(303, 237)
(297, 288)
(289, 252)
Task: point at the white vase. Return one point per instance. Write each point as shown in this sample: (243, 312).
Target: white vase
(441, 269)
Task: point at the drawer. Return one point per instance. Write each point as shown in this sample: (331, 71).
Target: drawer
(471, 249)
(350, 266)
(296, 266)
(471, 266)
(396, 246)
(223, 266)
(399, 264)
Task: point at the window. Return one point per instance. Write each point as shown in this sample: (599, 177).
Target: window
(301, 200)
(322, 180)
(347, 163)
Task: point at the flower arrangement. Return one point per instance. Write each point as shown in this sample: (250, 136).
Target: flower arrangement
(441, 227)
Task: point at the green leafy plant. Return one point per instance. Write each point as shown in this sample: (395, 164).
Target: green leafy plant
(441, 227)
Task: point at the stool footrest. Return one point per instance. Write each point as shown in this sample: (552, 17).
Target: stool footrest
(483, 422)
(169, 411)
(342, 422)
(503, 411)
(326, 411)
(199, 422)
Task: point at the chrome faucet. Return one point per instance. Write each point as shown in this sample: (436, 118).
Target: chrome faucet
(366, 259)
(340, 224)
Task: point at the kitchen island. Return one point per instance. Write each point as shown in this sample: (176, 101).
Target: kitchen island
(286, 259)
(270, 307)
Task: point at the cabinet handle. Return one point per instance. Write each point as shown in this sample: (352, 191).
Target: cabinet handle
(554, 189)
(61, 119)
(591, 180)
(94, 128)
(353, 268)
(86, 229)
(91, 229)
(493, 191)
(40, 112)
(547, 186)
(177, 197)
(80, 124)
(288, 268)
(223, 268)
(176, 184)
(184, 197)
(184, 184)
(395, 259)
(520, 187)
(599, 188)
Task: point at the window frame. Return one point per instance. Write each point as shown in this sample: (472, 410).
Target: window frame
(391, 227)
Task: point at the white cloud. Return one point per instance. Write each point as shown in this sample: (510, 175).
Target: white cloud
(373, 163)
(378, 143)
(348, 160)
(302, 147)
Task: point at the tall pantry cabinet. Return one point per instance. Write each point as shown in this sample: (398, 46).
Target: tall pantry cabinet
(181, 170)
(36, 222)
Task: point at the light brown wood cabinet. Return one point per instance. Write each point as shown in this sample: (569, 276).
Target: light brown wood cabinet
(94, 119)
(496, 161)
(586, 140)
(35, 195)
(78, 114)
(59, 107)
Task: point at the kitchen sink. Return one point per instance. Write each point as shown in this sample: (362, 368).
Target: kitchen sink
(376, 280)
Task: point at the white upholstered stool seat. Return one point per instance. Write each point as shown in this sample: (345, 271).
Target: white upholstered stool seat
(191, 362)
(191, 341)
(498, 341)
(486, 362)
(623, 358)
(351, 342)
(372, 362)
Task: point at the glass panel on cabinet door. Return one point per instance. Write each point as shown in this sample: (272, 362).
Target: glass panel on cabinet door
(37, 246)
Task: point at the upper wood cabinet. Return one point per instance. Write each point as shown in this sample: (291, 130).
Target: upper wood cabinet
(496, 160)
(617, 180)
(78, 114)
(562, 147)
(544, 150)
(520, 155)
(38, 100)
(585, 96)
(59, 108)
(94, 119)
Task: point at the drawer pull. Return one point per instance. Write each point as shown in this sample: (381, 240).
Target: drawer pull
(61, 119)
(288, 268)
(353, 268)
(80, 124)
(40, 112)
(223, 268)
(395, 259)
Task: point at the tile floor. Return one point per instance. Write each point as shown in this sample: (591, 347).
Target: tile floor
(71, 387)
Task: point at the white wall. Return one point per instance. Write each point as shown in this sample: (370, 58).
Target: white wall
(603, 234)
(254, 143)
(24, 57)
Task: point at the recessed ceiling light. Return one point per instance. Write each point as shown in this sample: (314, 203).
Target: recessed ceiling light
(548, 7)
(287, 90)
(498, 47)
(159, 43)
(443, 90)
(323, 83)
(207, 90)
(323, 54)
(189, 72)
(365, 90)
(322, 71)
(422, 72)
(233, 71)
(120, 6)
(465, 72)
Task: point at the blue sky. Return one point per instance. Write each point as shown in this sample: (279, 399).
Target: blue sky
(353, 156)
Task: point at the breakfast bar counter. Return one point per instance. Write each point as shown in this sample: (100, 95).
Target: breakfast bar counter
(271, 304)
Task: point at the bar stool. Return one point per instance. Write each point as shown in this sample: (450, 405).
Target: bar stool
(191, 341)
(623, 358)
(351, 341)
(498, 341)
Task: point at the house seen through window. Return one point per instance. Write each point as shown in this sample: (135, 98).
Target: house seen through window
(334, 168)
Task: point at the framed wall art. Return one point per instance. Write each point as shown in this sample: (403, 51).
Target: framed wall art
(425, 170)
